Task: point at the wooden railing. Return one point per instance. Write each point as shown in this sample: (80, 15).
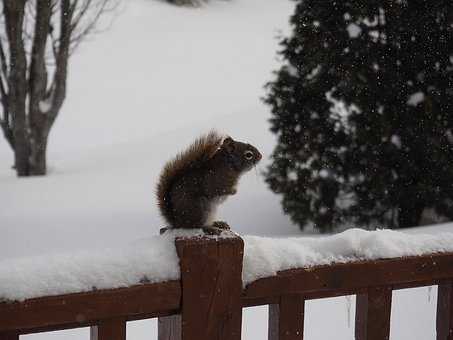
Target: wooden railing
(207, 303)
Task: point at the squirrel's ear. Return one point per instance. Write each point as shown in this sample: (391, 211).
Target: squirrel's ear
(228, 144)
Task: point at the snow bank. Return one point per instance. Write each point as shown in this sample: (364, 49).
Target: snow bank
(155, 260)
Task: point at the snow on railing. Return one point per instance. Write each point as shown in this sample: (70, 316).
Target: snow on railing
(202, 297)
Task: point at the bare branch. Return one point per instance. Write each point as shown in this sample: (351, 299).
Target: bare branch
(86, 18)
(80, 14)
(7, 130)
(17, 135)
(38, 72)
(58, 86)
(4, 81)
(4, 63)
(4, 97)
(5, 121)
(77, 19)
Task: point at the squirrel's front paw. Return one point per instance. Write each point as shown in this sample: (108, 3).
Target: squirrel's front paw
(212, 231)
(221, 225)
(216, 228)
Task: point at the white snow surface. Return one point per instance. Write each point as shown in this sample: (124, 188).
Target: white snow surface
(155, 260)
(264, 256)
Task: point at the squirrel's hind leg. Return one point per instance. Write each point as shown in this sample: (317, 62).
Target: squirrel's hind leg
(190, 212)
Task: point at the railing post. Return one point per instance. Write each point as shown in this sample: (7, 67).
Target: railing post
(9, 336)
(372, 315)
(114, 329)
(444, 317)
(169, 327)
(286, 319)
(211, 278)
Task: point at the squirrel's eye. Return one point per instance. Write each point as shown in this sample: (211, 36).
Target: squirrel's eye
(248, 155)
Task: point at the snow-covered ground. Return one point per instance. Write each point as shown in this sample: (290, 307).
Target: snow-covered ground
(138, 93)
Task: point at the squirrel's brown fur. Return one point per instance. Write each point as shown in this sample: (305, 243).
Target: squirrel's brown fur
(200, 151)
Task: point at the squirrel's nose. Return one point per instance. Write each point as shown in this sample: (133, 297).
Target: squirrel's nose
(259, 156)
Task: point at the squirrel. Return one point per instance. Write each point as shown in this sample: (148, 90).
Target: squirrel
(197, 180)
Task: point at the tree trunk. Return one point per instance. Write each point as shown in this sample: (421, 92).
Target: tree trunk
(38, 156)
(14, 17)
(24, 77)
(21, 154)
(39, 120)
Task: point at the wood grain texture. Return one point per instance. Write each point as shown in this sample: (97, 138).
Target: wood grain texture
(211, 275)
(286, 319)
(83, 309)
(273, 321)
(169, 327)
(350, 277)
(444, 317)
(9, 336)
(373, 311)
(113, 329)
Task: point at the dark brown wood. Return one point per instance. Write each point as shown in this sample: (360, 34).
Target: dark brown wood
(286, 319)
(82, 309)
(269, 300)
(272, 300)
(113, 329)
(66, 326)
(169, 327)
(211, 278)
(444, 317)
(273, 320)
(246, 302)
(9, 336)
(373, 311)
(353, 276)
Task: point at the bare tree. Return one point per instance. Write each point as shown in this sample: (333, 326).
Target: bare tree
(37, 38)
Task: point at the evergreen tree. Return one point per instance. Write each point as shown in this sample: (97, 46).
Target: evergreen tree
(363, 111)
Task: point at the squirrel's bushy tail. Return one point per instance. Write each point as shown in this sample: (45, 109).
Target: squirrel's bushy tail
(200, 151)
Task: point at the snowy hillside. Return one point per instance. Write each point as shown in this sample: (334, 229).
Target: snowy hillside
(138, 93)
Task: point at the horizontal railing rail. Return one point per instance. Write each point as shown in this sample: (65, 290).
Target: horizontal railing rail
(207, 302)
(85, 309)
(351, 277)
